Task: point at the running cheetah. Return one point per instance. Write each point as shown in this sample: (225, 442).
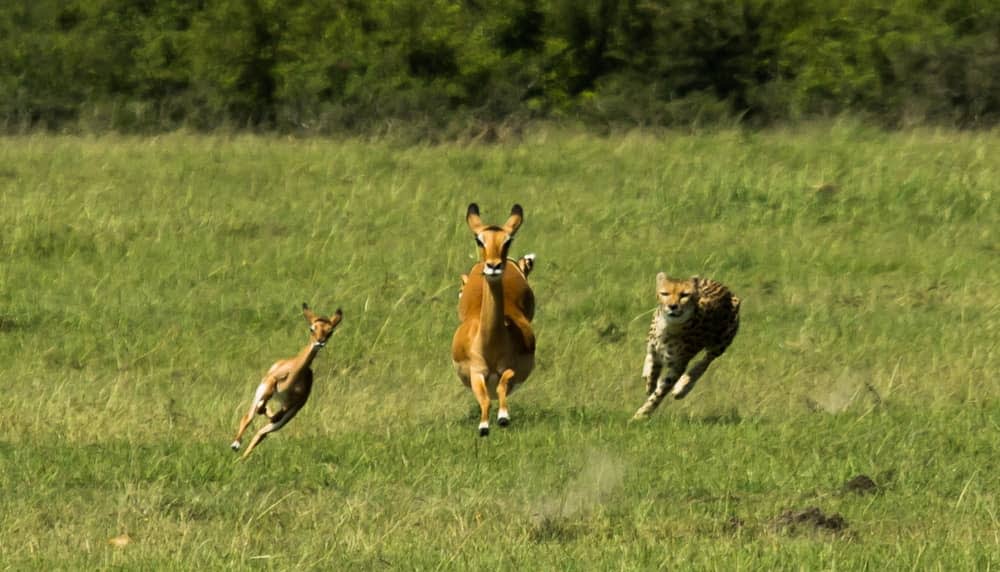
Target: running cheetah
(693, 315)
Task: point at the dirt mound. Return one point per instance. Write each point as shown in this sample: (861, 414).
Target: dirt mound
(811, 518)
(861, 484)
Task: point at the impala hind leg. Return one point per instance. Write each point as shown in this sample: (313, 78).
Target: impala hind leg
(263, 394)
(503, 417)
(483, 397)
(283, 417)
(526, 263)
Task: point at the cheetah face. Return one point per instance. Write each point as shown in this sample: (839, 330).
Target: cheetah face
(677, 298)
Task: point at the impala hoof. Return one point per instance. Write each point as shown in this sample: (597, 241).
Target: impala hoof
(484, 429)
(235, 446)
(503, 421)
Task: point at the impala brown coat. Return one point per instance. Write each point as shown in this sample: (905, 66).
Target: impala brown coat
(493, 349)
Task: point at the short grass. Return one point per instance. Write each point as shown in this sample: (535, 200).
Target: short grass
(147, 283)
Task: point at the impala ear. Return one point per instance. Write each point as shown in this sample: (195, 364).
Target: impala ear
(515, 220)
(472, 219)
(336, 317)
(310, 316)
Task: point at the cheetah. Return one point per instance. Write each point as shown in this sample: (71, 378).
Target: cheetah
(692, 315)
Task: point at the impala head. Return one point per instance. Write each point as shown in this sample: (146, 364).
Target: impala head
(677, 298)
(493, 241)
(321, 328)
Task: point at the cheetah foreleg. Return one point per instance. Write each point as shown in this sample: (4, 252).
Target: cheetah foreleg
(686, 383)
(662, 388)
(651, 372)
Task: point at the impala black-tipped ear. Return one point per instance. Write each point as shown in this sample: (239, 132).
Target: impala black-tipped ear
(310, 317)
(336, 317)
(472, 219)
(514, 221)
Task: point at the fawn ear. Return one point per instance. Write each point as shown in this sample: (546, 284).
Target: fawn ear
(336, 317)
(310, 316)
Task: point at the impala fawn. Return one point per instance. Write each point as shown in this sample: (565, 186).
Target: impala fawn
(493, 349)
(289, 381)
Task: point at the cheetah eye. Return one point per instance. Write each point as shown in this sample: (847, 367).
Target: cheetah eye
(685, 294)
(664, 294)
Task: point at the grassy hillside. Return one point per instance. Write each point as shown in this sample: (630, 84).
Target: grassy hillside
(147, 283)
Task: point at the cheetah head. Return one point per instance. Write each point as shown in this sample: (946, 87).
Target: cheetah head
(677, 298)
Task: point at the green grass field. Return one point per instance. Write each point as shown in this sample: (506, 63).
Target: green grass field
(147, 283)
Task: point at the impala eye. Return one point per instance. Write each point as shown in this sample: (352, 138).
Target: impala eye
(479, 241)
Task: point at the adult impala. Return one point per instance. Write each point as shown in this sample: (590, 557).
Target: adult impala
(494, 347)
(289, 381)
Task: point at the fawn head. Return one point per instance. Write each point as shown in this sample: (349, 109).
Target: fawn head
(321, 328)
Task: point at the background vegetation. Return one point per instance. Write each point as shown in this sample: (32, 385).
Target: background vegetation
(450, 67)
(147, 283)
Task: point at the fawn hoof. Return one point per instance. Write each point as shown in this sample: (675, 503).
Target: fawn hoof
(484, 429)
(235, 446)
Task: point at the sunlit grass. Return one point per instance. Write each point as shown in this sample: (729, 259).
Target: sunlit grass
(148, 283)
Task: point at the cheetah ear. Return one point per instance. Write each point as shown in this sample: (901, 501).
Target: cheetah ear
(661, 278)
(696, 282)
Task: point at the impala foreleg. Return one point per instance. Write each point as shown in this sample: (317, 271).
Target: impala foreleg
(483, 397)
(503, 417)
(259, 405)
(282, 417)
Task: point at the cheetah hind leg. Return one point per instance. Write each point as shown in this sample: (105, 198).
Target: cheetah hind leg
(686, 383)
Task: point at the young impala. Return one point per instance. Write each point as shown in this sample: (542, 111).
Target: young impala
(289, 381)
(494, 347)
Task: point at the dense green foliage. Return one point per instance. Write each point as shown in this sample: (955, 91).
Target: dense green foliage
(355, 64)
(147, 283)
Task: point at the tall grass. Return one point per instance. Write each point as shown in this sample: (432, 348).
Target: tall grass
(147, 283)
